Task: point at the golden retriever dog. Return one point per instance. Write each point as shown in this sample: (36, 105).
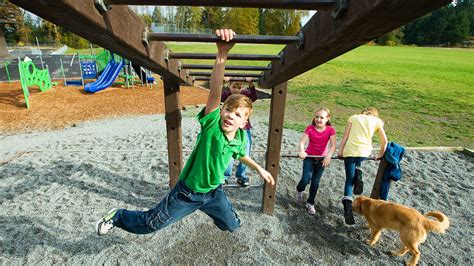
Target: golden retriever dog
(411, 224)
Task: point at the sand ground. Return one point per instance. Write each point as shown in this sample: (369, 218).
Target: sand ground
(65, 178)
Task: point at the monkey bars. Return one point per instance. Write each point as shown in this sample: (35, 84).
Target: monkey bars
(338, 27)
(248, 68)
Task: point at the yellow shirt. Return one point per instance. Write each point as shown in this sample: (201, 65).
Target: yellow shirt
(359, 142)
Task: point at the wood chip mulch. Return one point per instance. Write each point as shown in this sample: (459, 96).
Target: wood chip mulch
(64, 106)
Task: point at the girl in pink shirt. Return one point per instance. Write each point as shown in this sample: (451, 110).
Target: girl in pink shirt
(319, 133)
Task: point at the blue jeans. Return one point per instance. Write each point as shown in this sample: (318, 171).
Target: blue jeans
(350, 164)
(180, 202)
(241, 168)
(312, 171)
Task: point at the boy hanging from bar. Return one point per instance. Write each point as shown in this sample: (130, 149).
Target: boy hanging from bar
(200, 183)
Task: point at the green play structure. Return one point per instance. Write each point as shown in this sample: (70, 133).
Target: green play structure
(101, 59)
(30, 75)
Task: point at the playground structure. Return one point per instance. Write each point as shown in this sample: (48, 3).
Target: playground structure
(88, 70)
(338, 27)
(107, 77)
(30, 75)
(106, 68)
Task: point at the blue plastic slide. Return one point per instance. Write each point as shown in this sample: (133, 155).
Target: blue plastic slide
(107, 78)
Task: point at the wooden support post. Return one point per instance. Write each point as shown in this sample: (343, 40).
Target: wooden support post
(378, 179)
(173, 129)
(275, 133)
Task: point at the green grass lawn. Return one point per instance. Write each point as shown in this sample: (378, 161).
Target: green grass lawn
(424, 95)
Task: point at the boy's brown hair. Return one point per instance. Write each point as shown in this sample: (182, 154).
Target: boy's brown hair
(236, 83)
(235, 101)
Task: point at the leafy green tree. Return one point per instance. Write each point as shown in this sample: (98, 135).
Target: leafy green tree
(468, 7)
(273, 21)
(457, 28)
(242, 20)
(147, 19)
(283, 22)
(261, 22)
(212, 17)
(449, 25)
(26, 29)
(157, 17)
(72, 40)
(11, 12)
(50, 33)
(188, 18)
(395, 37)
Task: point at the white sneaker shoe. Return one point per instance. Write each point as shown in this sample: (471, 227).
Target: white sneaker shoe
(105, 224)
(299, 197)
(310, 209)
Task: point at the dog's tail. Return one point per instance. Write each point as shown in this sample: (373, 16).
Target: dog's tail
(436, 226)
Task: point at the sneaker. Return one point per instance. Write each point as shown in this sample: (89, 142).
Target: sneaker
(358, 183)
(299, 197)
(105, 224)
(310, 209)
(243, 183)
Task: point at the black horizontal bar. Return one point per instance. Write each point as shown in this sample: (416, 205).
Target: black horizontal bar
(255, 57)
(229, 74)
(284, 4)
(189, 37)
(247, 68)
(231, 79)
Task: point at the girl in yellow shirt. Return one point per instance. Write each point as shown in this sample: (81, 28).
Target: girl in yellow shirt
(355, 147)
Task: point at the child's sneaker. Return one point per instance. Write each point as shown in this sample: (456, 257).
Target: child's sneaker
(299, 197)
(310, 209)
(105, 224)
(243, 182)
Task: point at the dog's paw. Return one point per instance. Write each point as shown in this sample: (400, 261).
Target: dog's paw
(370, 242)
(395, 253)
(399, 252)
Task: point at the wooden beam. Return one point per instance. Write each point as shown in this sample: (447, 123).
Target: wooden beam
(284, 4)
(327, 37)
(375, 194)
(173, 130)
(119, 30)
(275, 134)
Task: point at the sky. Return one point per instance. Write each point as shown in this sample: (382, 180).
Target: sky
(306, 19)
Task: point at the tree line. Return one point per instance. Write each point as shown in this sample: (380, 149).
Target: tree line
(251, 21)
(447, 26)
(450, 25)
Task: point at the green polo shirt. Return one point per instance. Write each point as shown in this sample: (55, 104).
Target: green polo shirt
(204, 170)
